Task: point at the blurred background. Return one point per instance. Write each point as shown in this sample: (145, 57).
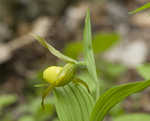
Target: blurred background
(120, 41)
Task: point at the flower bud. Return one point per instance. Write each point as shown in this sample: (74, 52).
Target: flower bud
(50, 74)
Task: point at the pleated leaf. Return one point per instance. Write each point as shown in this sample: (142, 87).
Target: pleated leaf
(53, 50)
(147, 5)
(113, 96)
(73, 103)
(88, 51)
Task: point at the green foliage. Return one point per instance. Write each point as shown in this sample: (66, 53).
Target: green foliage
(38, 113)
(110, 69)
(26, 118)
(73, 103)
(133, 117)
(85, 76)
(56, 119)
(6, 100)
(111, 73)
(34, 111)
(88, 52)
(115, 69)
(113, 96)
(73, 49)
(101, 43)
(104, 41)
(53, 50)
(117, 110)
(144, 71)
(146, 6)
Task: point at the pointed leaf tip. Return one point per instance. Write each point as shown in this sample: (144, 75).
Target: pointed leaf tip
(40, 39)
(88, 52)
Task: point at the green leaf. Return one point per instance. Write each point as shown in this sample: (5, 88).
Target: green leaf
(104, 41)
(144, 71)
(73, 103)
(86, 77)
(53, 50)
(113, 96)
(117, 110)
(133, 117)
(147, 5)
(101, 43)
(88, 51)
(73, 49)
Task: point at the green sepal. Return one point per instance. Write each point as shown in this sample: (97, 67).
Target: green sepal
(53, 50)
(41, 85)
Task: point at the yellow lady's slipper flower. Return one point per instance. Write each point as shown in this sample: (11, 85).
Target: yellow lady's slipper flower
(58, 76)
